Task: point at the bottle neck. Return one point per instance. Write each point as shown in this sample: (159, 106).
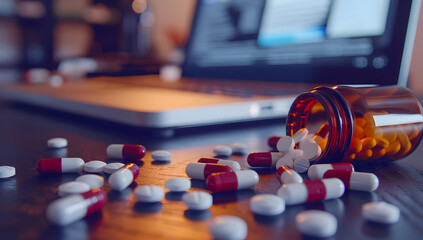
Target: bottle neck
(339, 117)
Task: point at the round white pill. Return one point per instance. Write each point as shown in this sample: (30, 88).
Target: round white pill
(267, 204)
(94, 181)
(149, 193)
(161, 155)
(73, 188)
(381, 212)
(94, 166)
(178, 184)
(311, 150)
(285, 161)
(300, 135)
(239, 148)
(316, 223)
(222, 150)
(285, 144)
(294, 153)
(57, 143)
(198, 200)
(228, 227)
(112, 167)
(301, 165)
(7, 171)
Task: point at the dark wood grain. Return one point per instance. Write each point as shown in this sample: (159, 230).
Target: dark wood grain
(24, 198)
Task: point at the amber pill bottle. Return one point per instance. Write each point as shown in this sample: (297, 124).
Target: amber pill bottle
(354, 124)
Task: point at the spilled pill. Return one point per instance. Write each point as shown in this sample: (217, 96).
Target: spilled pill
(316, 223)
(228, 227)
(72, 188)
(149, 193)
(94, 166)
(267, 204)
(112, 167)
(178, 184)
(380, 212)
(198, 200)
(57, 143)
(126, 151)
(94, 181)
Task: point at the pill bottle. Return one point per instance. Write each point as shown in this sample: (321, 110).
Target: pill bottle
(359, 124)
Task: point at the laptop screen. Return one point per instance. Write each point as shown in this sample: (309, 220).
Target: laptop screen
(318, 41)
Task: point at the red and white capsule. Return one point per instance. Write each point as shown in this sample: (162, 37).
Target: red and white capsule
(60, 165)
(316, 171)
(264, 159)
(233, 164)
(203, 170)
(126, 151)
(359, 181)
(69, 209)
(272, 141)
(285, 175)
(310, 191)
(229, 181)
(123, 177)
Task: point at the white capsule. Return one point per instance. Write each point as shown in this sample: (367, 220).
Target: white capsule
(123, 177)
(161, 155)
(286, 174)
(149, 193)
(178, 184)
(300, 135)
(228, 227)
(57, 143)
(311, 150)
(7, 171)
(316, 223)
(94, 166)
(112, 167)
(381, 212)
(267, 204)
(239, 148)
(285, 161)
(294, 153)
(316, 171)
(285, 144)
(296, 193)
(301, 164)
(72, 188)
(94, 181)
(222, 150)
(198, 200)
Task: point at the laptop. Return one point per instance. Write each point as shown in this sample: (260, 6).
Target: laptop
(247, 60)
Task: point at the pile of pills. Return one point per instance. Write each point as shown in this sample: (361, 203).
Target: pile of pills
(295, 156)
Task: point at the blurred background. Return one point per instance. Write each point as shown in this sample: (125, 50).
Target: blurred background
(106, 37)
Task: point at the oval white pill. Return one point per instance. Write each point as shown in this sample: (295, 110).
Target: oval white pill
(228, 227)
(301, 165)
(300, 135)
(311, 150)
(57, 143)
(94, 166)
(381, 212)
(149, 193)
(178, 184)
(285, 161)
(73, 188)
(222, 150)
(316, 223)
(198, 200)
(267, 204)
(285, 144)
(7, 171)
(239, 148)
(161, 155)
(112, 167)
(94, 181)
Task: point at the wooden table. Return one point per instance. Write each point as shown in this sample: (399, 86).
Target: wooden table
(24, 198)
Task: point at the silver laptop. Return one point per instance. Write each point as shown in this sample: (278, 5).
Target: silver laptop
(247, 60)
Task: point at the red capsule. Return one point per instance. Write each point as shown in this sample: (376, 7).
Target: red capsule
(229, 181)
(264, 159)
(233, 164)
(203, 170)
(123, 177)
(69, 209)
(359, 181)
(272, 141)
(126, 151)
(60, 165)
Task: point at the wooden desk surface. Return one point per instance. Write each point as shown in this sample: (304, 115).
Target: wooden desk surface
(24, 198)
